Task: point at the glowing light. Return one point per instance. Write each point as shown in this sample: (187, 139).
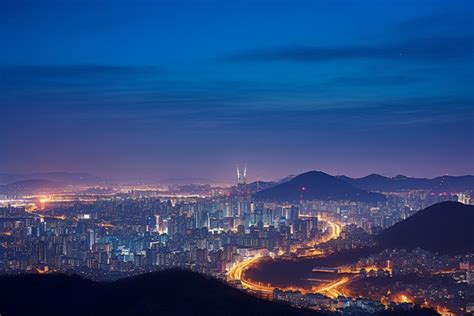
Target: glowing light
(106, 225)
(444, 311)
(401, 298)
(44, 199)
(44, 270)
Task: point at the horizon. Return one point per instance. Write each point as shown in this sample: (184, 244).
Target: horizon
(225, 182)
(125, 92)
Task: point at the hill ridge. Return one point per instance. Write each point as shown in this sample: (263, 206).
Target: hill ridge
(317, 185)
(444, 227)
(170, 292)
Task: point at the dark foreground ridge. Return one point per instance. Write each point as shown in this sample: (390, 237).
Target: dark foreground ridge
(172, 292)
(445, 227)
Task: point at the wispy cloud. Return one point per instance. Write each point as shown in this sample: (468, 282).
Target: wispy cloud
(96, 71)
(38, 77)
(422, 49)
(362, 81)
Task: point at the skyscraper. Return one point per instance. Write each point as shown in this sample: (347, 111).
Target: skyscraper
(241, 175)
(243, 196)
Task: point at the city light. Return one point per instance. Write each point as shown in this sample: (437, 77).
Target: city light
(236, 158)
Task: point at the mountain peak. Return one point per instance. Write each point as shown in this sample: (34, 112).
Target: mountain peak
(317, 186)
(400, 177)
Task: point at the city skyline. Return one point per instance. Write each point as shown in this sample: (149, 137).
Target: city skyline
(251, 157)
(175, 89)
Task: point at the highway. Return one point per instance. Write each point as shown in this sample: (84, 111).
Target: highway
(331, 289)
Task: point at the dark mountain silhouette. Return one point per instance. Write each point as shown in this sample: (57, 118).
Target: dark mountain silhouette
(172, 292)
(445, 227)
(316, 185)
(63, 177)
(376, 182)
(33, 186)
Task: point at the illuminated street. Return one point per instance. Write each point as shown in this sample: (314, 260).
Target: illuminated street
(237, 272)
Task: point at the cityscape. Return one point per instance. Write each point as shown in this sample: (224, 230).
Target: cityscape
(106, 233)
(222, 157)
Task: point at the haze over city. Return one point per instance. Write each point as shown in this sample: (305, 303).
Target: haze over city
(219, 157)
(190, 89)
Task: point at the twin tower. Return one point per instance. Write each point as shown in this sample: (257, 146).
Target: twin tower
(242, 175)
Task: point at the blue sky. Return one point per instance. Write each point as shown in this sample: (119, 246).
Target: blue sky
(158, 89)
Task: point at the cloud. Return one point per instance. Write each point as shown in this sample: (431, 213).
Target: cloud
(421, 49)
(71, 78)
(97, 71)
(374, 81)
(319, 116)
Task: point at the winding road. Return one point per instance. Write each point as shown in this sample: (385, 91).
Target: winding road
(331, 289)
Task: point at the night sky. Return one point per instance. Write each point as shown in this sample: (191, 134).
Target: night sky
(160, 89)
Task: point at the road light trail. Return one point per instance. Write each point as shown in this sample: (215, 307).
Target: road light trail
(237, 272)
(333, 289)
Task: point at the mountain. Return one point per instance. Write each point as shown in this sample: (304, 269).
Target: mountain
(259, 186)
(171, 292)
(445, 227)
(33, 186)
(286, 179)
(376, 182)
(316, 185)
(263, 185)
(63, 177)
